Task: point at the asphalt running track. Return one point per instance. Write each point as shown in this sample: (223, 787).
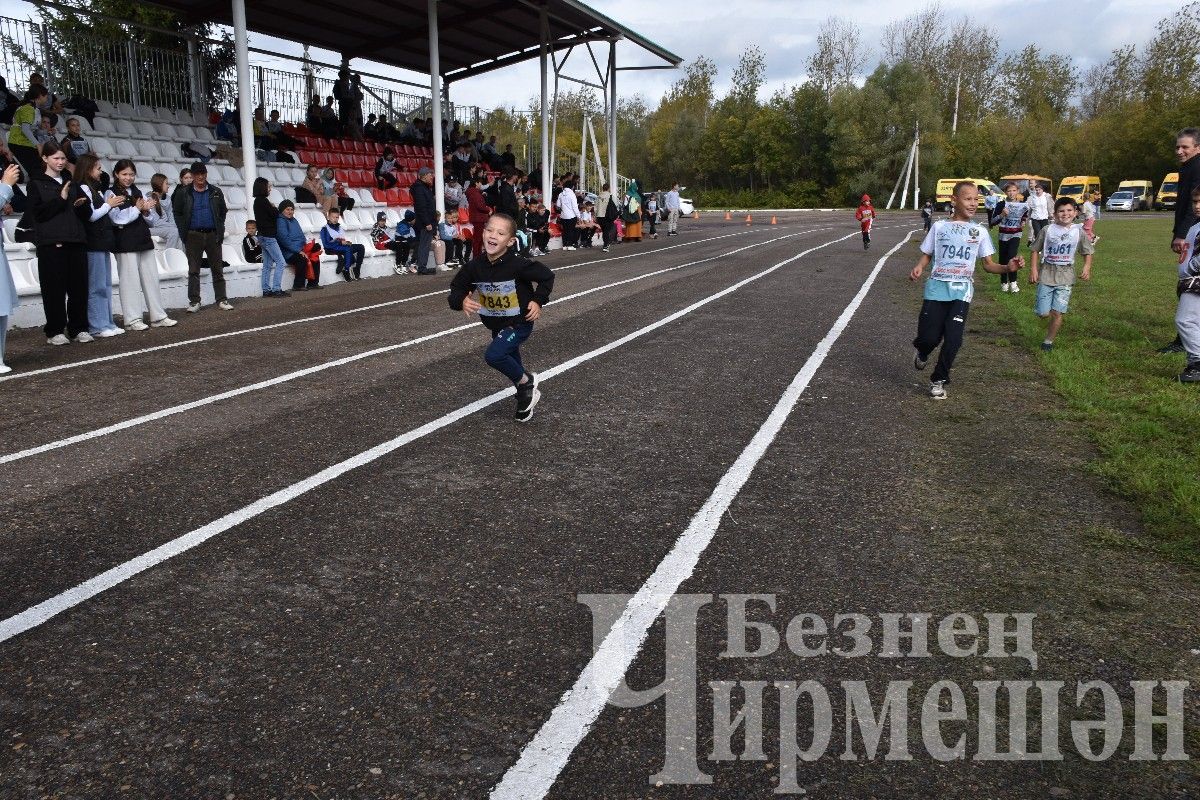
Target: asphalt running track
(302, 549)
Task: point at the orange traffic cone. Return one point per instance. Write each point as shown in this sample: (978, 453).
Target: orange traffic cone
(728, 216)
(773, 222)
(747, 219)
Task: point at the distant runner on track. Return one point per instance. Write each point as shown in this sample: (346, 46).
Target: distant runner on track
(865, 216)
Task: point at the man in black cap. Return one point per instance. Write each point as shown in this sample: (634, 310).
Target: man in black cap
(200, 216)
(426, 217)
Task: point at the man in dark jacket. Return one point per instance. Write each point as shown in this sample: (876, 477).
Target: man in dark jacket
(200, 216)
(508, 196)
(425, 223)
(1187, 150)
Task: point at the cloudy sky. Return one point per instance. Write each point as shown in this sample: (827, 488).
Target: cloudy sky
(785, 30)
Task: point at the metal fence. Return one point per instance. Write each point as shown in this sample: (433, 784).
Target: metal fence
(126, 72)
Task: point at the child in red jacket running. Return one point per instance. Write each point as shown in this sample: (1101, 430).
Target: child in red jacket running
(865, 216)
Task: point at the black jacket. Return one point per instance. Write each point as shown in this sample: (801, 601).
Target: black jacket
(135, 236)
(508, 201)
(423, 204)
(181, 207)
(1189, 178)
(99, 233)
(54, 219)
(510, 267)
(266, 216)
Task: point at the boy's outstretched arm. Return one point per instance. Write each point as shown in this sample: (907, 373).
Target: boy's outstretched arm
(922, 263)
(1015, 264)
(1086, 275)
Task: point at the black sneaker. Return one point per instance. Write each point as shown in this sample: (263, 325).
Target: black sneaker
(282, 293)
(1191, 374)
(918, 362)
(1174, 347)
(1047, 347)
(527, 397)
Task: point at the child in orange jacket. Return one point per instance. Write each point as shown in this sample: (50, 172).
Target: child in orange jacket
(865, 216)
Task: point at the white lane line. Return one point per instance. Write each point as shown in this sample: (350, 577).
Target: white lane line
(16, 376)
(543, 759)
(48, 609)
(153, 416)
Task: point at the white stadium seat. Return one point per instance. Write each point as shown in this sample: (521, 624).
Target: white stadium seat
(275, 197)
(176, 264)
(125, 127)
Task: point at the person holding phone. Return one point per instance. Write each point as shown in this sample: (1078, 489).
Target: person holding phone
(61, 246)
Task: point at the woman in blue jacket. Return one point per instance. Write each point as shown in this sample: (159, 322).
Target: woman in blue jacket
(291, 240)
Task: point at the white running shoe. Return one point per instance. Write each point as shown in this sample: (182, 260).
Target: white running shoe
(193, 308)
(1015, 288)
(1004, 288)
(58, 339)
(937, 390)
(568, 248)
(108, 333)
(5, 369)
(165, 322)
(83, 337)
(138, 325)
(225, 305)
(443, 268)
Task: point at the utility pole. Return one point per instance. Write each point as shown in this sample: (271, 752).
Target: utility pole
(957, 88)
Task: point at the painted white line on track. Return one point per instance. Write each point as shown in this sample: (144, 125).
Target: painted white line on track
(543, 759)
(38, 614)
(15, 376)
(182, 408)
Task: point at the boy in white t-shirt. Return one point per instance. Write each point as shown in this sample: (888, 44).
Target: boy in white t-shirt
(953, 246)
(1053, 267)
(1010, 214)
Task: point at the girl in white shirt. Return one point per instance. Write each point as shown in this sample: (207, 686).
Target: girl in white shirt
(96, 221)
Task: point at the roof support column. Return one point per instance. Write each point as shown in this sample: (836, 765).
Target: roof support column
(245, 100)
(612, 116)
(435, 96)
(543, 59)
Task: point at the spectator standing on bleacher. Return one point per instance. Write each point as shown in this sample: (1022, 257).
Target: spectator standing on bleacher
(98, 227)
(83, 106)
(349, 255)
(8, 287)
(455, 197)
(134, 250)
(162, 221)
(61, 243)
(22, 136)
(344, 94)
(292, 243)
(385, 170)
(507, 159)
(461, 162)
(267, 216)
(282, 140)
(200, 217)
(507, 202)
(424, 209)
(490, 155)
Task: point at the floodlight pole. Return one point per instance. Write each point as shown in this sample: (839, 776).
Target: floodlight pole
(435, 93)
(543, 59)
(245, 102)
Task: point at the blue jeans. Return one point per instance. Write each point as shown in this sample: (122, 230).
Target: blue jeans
(272, 270)
(504, 353)
(99, 302)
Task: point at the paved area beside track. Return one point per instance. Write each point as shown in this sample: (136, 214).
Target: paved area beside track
(303, 550)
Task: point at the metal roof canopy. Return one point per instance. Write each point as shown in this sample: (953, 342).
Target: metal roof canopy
(476, 36)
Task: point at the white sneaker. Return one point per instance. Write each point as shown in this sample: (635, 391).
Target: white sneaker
(193, 308)
(225, 305)
(138, 325)
(1015, 288)
(443, 268)
(1004, 288)
(108, 333)
(58, 339)
(83, 337)
(5, 369)
(401, 270)
(937, 390)
(568, 248)
(165, 322)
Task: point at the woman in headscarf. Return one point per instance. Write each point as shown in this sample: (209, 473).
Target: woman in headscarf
(633, 212)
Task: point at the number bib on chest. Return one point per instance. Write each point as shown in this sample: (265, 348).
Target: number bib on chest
(1011, 219)
(955, 251)
(498, 299)
(1060, 245)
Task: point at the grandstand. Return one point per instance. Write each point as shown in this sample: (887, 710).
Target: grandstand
(152, 136)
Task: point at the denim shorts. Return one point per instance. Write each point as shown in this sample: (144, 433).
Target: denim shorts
(1052, 297)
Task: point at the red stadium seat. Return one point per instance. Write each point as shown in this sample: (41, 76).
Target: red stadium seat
(393, 197)
(404, 197)
(380, 195)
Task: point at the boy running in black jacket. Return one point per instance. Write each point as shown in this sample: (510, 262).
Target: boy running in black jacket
(499, 286)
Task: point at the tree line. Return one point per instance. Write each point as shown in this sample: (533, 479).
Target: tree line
(982, 113)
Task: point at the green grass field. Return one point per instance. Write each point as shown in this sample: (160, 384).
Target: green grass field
(1146, 424)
